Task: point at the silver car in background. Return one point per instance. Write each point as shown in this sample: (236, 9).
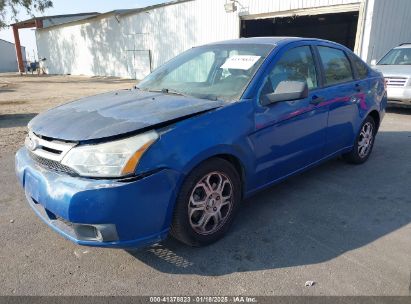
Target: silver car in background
(396, 68)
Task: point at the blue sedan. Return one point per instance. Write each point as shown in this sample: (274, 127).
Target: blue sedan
(177, 153)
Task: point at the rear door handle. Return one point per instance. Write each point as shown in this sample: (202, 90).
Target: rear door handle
(358, 87)
(316, 100)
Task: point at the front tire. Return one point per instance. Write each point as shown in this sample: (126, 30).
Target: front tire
(364, 143)
(207, 203)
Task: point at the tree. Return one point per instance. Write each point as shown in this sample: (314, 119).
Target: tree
(9, 9)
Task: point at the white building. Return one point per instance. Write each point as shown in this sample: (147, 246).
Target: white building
(130, 43)
(8, 59)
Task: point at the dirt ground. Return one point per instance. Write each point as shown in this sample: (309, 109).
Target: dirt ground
(22, 97)
(348, 228)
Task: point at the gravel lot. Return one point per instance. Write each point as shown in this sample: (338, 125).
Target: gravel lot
(348, 228)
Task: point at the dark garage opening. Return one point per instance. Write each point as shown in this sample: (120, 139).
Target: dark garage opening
(338, 27)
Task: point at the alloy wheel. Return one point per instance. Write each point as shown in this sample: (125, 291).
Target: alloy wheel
(365, 140)
(210, 204)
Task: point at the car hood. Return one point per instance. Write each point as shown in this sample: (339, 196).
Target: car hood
(394, 70)
(115, 113)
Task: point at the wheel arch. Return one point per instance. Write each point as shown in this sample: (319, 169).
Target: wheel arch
(236, 162)
(376, 116)
(228, 156)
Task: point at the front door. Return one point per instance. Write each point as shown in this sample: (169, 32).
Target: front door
(290, 135)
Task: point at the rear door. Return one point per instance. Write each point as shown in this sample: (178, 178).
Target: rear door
(340, 93)
(362, 82)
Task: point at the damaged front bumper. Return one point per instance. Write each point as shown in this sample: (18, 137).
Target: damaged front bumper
(104, 213)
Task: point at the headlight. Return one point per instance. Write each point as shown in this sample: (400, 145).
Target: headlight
(112, 159)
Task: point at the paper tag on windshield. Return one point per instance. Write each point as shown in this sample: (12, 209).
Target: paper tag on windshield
(240, 62)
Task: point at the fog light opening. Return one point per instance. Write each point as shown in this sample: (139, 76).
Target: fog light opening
(87, 233)
(98, 232)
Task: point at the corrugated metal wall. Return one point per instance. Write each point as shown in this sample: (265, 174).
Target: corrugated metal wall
(90, 48)
(173, 29)
(8, 59)
(390, 26)
(119, 45)
(108, 46)
(259, 7)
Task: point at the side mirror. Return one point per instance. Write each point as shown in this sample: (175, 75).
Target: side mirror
(374, 62)
(286, 91)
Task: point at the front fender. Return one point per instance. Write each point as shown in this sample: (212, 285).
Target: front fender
(186, 144)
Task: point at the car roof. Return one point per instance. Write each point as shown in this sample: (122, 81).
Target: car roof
(266, 40)
(404, 46)
(276, 41)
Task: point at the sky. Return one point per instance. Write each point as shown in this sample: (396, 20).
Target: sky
(61, 7)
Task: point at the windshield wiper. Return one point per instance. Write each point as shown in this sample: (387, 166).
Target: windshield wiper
(174, 92)
(167, 91)
(200, 96)
(171, 91)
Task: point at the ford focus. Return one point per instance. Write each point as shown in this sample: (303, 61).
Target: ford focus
(178, 153)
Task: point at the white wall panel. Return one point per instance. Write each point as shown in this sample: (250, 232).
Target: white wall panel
(101, 46)
(172, 29)
(90, 48)
(8, 58)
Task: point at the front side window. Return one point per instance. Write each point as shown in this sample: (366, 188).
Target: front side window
(295, 65)
(337, 68)
(221, 71)
(397, 57)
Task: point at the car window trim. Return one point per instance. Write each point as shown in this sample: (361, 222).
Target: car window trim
(319, 67)
(353, 57)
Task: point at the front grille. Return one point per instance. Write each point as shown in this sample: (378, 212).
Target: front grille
(52, 164)
(47, 148)
(48, 152)
(396, 81)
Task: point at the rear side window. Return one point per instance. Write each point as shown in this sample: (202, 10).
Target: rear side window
(337, 68)
(361, 67)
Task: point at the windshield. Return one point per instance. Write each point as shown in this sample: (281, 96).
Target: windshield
(211, 72)
(397, 57)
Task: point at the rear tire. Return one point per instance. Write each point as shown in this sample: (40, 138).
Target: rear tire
(207, 203)
(364, 143)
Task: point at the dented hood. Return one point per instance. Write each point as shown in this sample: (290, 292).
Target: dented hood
(115, 113)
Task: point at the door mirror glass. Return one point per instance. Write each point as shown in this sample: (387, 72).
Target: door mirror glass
(287, 91)
(374, 62)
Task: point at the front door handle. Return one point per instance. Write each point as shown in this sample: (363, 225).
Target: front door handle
(316, 100)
